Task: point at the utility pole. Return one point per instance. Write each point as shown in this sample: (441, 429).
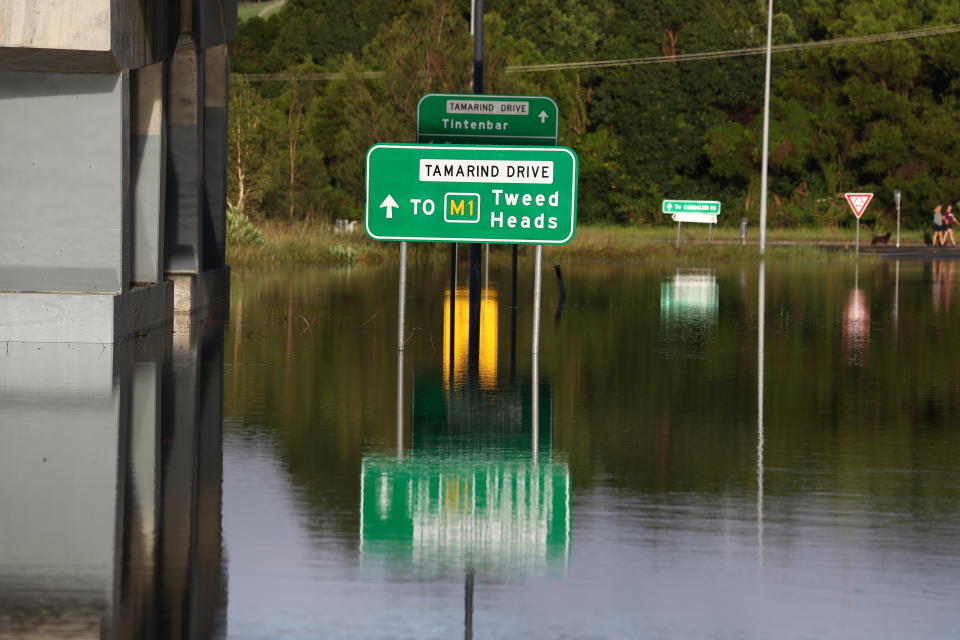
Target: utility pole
(766, 134)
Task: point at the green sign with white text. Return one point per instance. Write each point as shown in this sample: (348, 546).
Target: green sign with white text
(454, 193)
(711, 207)
(487, 119)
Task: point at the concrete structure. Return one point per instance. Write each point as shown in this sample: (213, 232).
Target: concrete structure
(113, 131)
(110, 488)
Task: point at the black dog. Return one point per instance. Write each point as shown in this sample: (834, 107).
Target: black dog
(881, 239)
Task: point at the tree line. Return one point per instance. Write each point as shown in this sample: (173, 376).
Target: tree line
(855, 117)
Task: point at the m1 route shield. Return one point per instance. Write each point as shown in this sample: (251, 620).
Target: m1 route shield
(487, 119)
(456, 193)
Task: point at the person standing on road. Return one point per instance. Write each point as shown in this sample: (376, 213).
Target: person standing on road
(948, 222)
(938, 225)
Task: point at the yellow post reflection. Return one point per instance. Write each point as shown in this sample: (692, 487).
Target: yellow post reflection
(489, 313)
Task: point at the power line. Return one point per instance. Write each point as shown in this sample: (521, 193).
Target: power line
(286, 77)
(923, 32)
(735, 53)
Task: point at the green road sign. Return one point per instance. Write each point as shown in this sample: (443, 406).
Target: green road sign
(485, 119)
(453, 193)
(711, 207)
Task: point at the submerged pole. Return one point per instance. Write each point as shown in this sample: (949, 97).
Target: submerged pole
(536, 298)
(858, 237)
(402, 296)
(473, 343)
(401, 330)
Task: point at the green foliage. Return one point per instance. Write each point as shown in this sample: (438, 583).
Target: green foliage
(853, 117)
(241, 231)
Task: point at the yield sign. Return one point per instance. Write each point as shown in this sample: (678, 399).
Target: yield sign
(858, 202)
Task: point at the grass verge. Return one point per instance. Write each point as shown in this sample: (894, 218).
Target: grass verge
(315, 243)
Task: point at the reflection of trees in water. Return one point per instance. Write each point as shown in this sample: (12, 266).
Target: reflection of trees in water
(614, 390)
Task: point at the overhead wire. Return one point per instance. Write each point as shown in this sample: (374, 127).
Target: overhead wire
(923, 32)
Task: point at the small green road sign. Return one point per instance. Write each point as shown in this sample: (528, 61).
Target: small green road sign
(711, 207)
(486, 119)
(455, 193)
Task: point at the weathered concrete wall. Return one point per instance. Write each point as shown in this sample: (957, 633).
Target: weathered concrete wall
(108, 178)
(85, 36)
(215, 100)
(148, 168)
(63, 174)
(183, 244)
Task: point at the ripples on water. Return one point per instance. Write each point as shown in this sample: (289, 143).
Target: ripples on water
(651, 494)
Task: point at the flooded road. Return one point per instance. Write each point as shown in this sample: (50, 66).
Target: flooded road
(716, 452)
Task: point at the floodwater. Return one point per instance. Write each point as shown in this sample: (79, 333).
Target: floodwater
(699, 452)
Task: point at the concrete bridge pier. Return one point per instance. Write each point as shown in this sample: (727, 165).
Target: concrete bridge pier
(196, 185)
(112, 166)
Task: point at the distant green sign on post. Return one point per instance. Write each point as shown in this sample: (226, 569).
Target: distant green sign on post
(487, 119)
(711, 207)
(454, 193)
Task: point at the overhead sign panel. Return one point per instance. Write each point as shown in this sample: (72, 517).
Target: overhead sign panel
(455, 193)
(487, 119)
(858, 202)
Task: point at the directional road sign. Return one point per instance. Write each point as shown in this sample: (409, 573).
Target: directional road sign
(487, 119)
(711, 207)
(457, 193)
(858, 202)
(708, 218)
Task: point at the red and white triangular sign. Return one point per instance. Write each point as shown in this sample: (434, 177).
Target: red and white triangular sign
(858, 202)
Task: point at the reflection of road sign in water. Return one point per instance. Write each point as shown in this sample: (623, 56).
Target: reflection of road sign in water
(487, 119)
(858, 202)
(461, 337)
(690, 298)
(460, 422)
(449, 193)
(495, 516)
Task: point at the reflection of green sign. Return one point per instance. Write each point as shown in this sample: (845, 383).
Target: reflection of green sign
(487, 119)
(495, 516)
(690, 296)
(449, 193)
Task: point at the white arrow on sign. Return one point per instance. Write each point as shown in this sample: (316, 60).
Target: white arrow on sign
(543, 116)
(390, 204)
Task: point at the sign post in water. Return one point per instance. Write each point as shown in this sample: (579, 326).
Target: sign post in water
(703, 211)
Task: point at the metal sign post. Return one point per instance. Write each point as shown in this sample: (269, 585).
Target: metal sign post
(535, 392)
(401, 320)
(704, 211)
(897, 193)
(858, 203)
